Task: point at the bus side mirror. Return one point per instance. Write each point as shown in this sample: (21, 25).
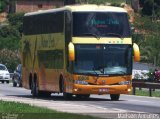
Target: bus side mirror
(136, 52)
(71, 51)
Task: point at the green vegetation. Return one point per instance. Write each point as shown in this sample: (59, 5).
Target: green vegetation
(3, 5)
(150, 7)
(10, 36)
(145, 92)
(25, 111)
(15, 21)
(147, 37)
(10, 58)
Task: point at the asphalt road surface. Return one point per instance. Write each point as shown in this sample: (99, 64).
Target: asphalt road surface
(96, 105)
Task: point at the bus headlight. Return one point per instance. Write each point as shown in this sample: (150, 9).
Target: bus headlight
(125, 82)
(81, 82)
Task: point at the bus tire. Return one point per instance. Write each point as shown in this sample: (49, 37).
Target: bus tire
(66, 95)
(61, 84)
(114, 97)
(44, 94)
(34, 89)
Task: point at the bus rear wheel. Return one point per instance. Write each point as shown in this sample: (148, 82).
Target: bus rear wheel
(114, 97)
(34, 89)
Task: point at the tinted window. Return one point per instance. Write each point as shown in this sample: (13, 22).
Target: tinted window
(51, 59)
(44, 23)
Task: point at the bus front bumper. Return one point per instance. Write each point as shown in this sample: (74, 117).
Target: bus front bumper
(101, 89)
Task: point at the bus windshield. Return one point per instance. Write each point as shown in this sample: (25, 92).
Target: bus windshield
(102, 24)
(105, 59)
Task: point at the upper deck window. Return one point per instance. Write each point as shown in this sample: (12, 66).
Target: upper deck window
(103, 24)
(44, 23)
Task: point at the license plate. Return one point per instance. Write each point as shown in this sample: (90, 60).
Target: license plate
(103, 90)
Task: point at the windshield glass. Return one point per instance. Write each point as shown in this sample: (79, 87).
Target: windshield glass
(103, 24)
(103, 59)
(3, 68)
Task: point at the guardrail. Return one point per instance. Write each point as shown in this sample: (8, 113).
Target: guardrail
(151, 85)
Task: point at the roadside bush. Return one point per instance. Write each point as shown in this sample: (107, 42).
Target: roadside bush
(9, 58)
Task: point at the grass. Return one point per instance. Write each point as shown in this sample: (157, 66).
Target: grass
(145, 92)
(25, 111)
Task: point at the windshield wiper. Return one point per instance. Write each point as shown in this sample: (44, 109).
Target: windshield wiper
(115, 34)
(95, 71)
(100, 68)
(92, 34)
(91, 74)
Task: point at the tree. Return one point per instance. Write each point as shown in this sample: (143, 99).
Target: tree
(10, 36)
(3, 5)
(148, 39)
(150, 7)
(16, 20)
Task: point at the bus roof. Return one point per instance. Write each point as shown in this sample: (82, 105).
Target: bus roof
(81, 8)
(98, 8)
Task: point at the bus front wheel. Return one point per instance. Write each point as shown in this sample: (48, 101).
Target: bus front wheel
(115, 97)
(65, 94)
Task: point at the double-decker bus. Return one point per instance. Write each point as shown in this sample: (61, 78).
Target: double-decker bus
(78, 50)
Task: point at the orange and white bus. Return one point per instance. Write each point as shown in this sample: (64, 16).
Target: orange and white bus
(78, 50)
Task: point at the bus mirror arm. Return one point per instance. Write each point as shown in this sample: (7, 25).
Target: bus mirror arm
(71, 51)
(136, 52)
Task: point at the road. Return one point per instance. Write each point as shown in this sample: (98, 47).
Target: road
(97, 105)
